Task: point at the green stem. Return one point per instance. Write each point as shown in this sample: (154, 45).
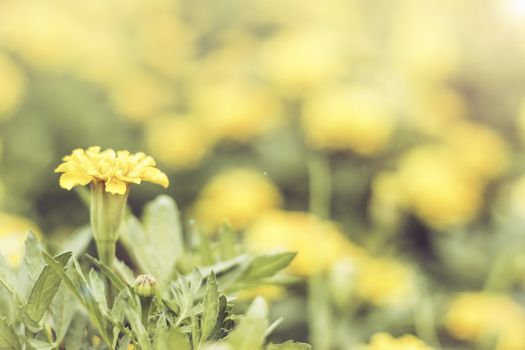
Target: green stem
(145, 304)
(320, 185)
(319, 315)
(424, 322)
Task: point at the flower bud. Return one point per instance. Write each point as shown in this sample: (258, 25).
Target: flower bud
(145, 286)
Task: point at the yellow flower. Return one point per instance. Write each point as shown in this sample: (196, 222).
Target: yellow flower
(235, 110)
(12, 87)
(437, 188)
(319, 244)
(236, 195)
(115, 169)
(138, 95)
(299, 59)
(480, 316)
(384, 281)
(268, 292)
(178, 141)
(481, 151)
(13, 232)
(384, 341)
(348, 118)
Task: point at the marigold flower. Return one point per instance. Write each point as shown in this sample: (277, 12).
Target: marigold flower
(115, 169)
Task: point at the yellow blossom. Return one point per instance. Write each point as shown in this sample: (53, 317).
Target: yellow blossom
(178, 141)
(384, 281)
(12, 87)
(319, 244)
(437, 189)
(479, 316)
(300, 59)
(384, 341)
(139, 96)
(115, 169)
(237, 195)
(348, 118)
(478, 149)
(268, 292)
(235, 111)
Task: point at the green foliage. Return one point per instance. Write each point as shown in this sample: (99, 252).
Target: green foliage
(75, 301)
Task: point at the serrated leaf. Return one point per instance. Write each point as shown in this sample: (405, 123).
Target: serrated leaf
(9, 340)
(115, 279)
(269, 264)
(250, 332)
(211, 308)
(289, 345)
(45, 288)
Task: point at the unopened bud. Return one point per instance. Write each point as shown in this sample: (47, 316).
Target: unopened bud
(145, 286)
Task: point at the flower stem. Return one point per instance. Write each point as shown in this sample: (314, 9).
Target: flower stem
(320, 185)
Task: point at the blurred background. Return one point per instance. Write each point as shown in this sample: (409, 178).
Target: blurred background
(384, 141)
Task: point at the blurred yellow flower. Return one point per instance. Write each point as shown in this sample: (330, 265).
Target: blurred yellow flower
(437, 189)
(443, 183)
(139, 96)
(348, 118)
(236, 195)
(268, 292)
(300, 59)
(480, 316)
(12, 87)
(384, 341)
(115, 169)
(384, 281)
(434, 109)
(13, 232)
(235, 110)
(178, 141)
(319, 244)
(481, 151)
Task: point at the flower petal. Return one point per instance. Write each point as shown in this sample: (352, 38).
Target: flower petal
(116, 186)
(71, 179)
(155, 176)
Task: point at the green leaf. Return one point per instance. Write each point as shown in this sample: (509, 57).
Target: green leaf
(269, 264)
(33, 260)
(157, 245)
(227, 242)
(211, 308)
(9, 340)
(8, 279)
(289, 345)
(63, 309)
(117, 281)
(250, 332)
(45, 289)
(138, 328)
(37, 344)
(75, 334)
